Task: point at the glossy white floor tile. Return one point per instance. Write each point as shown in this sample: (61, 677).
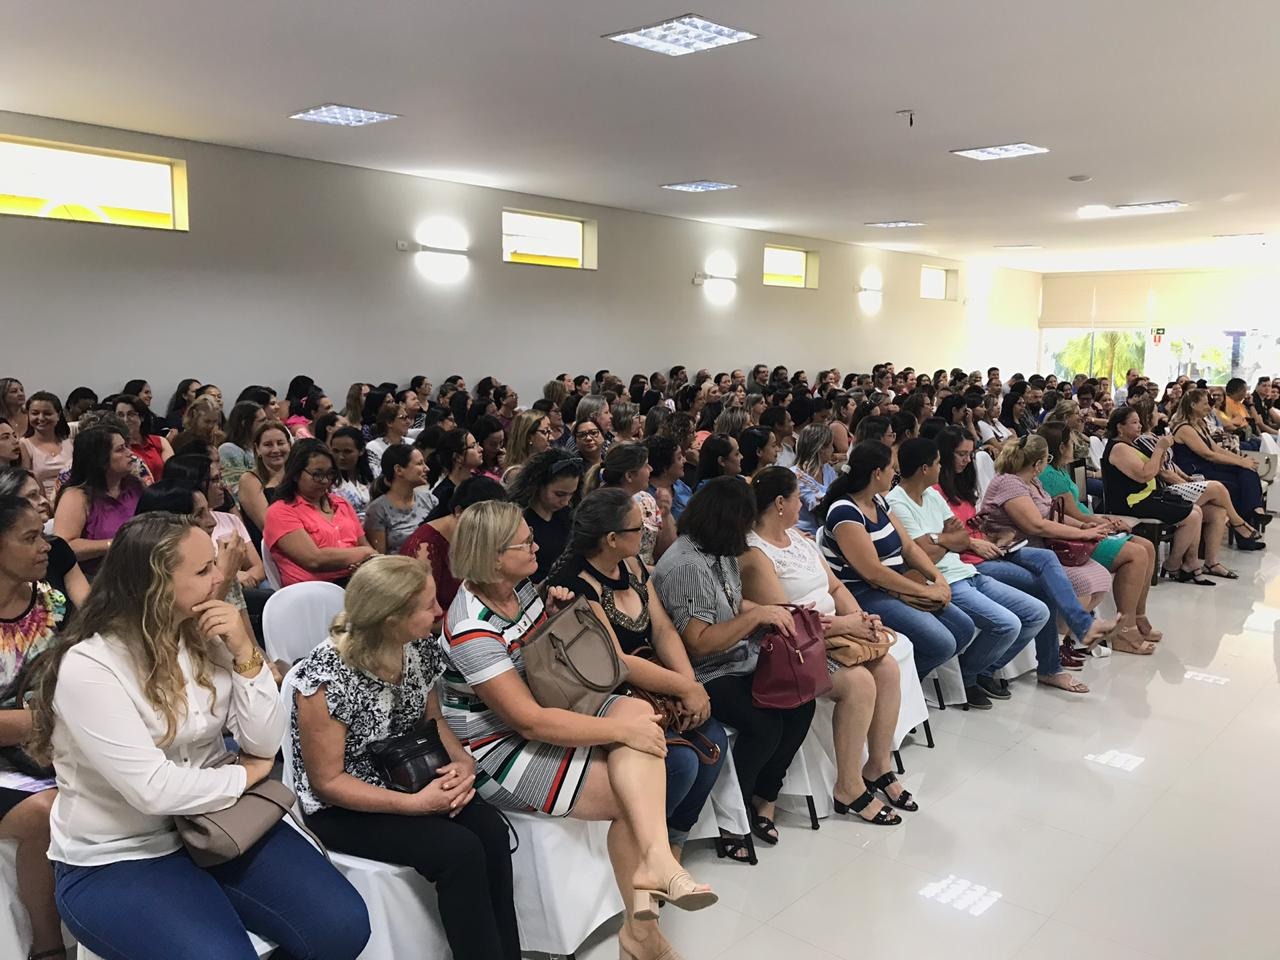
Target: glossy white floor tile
(1172, 859)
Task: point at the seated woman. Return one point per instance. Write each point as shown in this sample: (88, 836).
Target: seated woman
(1033, 570)
(10, 447)
(98, 497)
(492, 438)
(259, 486)
(312, 533)
(1131, 560)
(534, 758)
(882, 566)
(784, 566)
(700, 585)
(63, 573)
(390, 429)
(130, 709)
(601, 562)
(1013, 414)
(815, 471)
(1129, 477)
(588, 440)
(546, 489)
(373, 677)
(403, 503)
(530, 433)
(456, 458)
(375, 401)
(436, 535)
(201, 427)
(47, 447)
(1006, 618)
(305, 410)
(355, 478)
(237, 450)
(719, 457)
(13, 404)
(992, 433)
(759, 448)
(1197, 453)
(31, 613)
(203, 476)
(626, 467)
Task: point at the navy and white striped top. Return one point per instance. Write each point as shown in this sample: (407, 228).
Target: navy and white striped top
(882, 532)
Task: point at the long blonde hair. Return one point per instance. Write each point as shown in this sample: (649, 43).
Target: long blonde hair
(523, 428)
(383, 588)
(1016, 455)
(132, 604)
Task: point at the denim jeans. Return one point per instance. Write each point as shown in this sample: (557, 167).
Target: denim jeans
(281, 889)
(1037, 571)
(1006, 619)
(935, 636)
(689, 780)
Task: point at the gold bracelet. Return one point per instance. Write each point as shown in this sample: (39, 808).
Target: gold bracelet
(252, 665)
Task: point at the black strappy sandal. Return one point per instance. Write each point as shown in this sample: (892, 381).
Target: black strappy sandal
(1187, 576)
(884, 816)
(738, 849)
(1227, 574)
(764, 828)
(904, 801)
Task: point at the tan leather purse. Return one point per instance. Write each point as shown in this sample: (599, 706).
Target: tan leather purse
(851, 651)
(223, 835)
(571, 661)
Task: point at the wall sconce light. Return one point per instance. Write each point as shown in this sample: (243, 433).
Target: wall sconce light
(439, 250)
(871, 291)
(718, 278)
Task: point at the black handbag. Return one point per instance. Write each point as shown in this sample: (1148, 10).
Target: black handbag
(410, 761)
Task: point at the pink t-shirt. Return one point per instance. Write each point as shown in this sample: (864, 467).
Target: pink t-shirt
(1003, 488)
(342, 530)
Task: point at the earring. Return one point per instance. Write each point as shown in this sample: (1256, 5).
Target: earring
(779, 511)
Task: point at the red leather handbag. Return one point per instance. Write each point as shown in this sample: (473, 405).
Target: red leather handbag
(792, 670)
(1070, 553)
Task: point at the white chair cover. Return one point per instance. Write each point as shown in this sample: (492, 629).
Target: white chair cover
(1023, 663)
(15, 925)
(986, 470)
(724, 809)
(296, 619)
(272, 571)
(952, 682)
(1097, 446)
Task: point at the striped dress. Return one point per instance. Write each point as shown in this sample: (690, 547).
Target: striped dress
(884, 535)
(480, 644)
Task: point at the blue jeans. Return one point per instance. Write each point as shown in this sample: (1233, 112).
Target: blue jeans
(282, 889)
(1037, 571)
(935, 636)
(1006, 619)
(689, 780)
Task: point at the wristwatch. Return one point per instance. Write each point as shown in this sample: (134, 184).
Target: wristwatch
(250, 666)
(933, 537)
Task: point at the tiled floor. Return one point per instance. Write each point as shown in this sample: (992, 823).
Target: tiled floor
(1174, 858)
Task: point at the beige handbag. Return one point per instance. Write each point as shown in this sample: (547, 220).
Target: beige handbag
(223, 835)
(851, 651)
(571, 661)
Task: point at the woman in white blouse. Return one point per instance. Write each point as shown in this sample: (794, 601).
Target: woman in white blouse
(784, 566)
(130, 710)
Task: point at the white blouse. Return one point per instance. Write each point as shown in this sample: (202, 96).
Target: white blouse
(800, 568)
(118, 790)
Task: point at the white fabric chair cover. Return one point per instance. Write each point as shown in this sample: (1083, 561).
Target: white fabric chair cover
(952, 682)
(1270, 446)
(15, 925)
(986, 470)
(272, 571)
(1097, 446)
(297, 618)
(724, 809)
(1024, 662)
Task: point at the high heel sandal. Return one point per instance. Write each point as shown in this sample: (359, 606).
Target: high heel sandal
(882, 783)
(1186, 576)
(1126, 642)
(1149, 632)
(1251, 542)
(626, 953)
(680, 891)
(884, 816)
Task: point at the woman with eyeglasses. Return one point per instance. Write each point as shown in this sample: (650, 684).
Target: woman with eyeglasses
(589, 440)
(312, 533)
(390, 428)
(149, 447)
(531, 433)
(546, 489)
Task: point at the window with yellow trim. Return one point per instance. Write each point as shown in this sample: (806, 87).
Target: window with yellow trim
(62, 181)
(790, 267)
(547, 241)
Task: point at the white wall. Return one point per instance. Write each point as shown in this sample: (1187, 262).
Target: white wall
(290, 266)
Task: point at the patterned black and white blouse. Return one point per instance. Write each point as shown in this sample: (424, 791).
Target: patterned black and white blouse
(368, 706)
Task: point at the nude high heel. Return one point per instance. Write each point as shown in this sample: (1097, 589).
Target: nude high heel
(680, 891)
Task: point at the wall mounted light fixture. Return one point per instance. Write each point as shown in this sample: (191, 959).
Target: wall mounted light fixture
(440, 250)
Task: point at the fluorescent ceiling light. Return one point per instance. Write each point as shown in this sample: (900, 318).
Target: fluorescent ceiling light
(1098, 211)
(340, 116)
(1005, 151)
(688, 34)
(894, 224)
(1018, 246)
(700, 186)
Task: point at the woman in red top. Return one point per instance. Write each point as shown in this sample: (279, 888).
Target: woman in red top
(437, 534)
(152, 449)
(312, 533)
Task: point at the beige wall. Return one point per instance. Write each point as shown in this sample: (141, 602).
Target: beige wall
(290, 266)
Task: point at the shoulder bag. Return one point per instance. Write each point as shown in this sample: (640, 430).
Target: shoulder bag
(664, 706)
(409, 761)
(571, 660)
(849, 651)
(222, 835)
(792, 671)
(1070, 553)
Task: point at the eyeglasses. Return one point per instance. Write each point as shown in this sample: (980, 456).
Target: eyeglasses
(545, 432)
(588, 435)
(629, 530)
(323, 476)
(522, 545)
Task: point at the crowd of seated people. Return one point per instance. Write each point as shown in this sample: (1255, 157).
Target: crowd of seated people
(692, 511)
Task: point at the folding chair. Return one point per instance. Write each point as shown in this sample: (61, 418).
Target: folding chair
(296, 618)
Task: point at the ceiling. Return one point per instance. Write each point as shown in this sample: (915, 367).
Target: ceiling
(1154, 99)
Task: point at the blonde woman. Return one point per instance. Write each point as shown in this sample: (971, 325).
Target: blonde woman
(610, 766)
(130, 708)
(530, 433)
(201, 427)
(372, 678)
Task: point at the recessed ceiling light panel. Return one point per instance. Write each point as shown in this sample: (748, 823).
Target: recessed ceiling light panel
(688, 34)
(1018, 246)
(894, 224)
(1005, 151)
(340, 116)
(1097, 211)
(700, 186)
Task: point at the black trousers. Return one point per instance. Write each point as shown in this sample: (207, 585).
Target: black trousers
(466, 858)
(767, 739)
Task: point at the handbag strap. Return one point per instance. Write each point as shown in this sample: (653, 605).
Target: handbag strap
(272, 790)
